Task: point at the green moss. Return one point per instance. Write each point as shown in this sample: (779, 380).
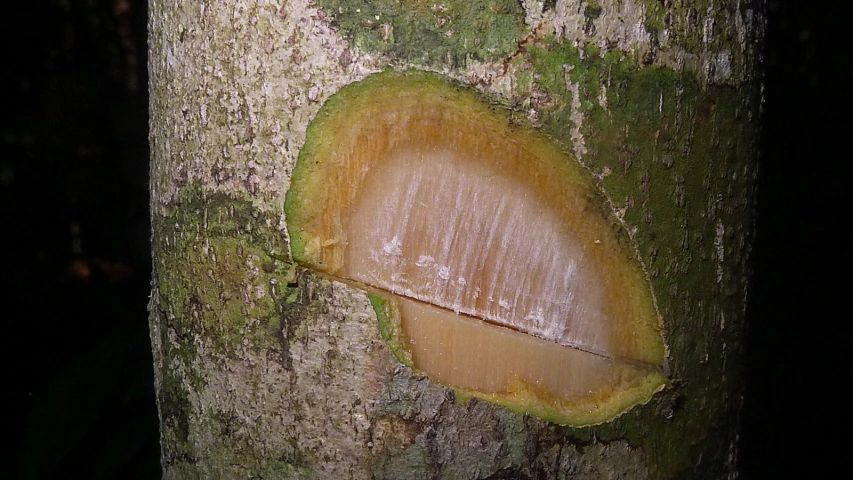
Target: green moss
(221, 282)
(422, 32)
(174, 406)
(453, 32)
(388, 316)
(655, 15)
(221, 272)
(523, 81)
(380, 306)
(592, 10)
(685, 24)
(661, 144)
(460, 397)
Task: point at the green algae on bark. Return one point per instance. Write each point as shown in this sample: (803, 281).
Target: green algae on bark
(231, 275)
(676, 159)
(422, 32)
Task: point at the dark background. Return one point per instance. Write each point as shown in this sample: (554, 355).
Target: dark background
(74, 258)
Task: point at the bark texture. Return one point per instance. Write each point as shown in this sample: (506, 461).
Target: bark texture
(266, 370)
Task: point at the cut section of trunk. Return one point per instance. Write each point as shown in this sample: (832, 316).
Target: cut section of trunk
(511, 277)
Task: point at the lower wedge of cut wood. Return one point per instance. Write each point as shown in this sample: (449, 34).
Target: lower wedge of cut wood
(559, 383)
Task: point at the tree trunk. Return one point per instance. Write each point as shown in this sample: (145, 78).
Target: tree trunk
(268, 370)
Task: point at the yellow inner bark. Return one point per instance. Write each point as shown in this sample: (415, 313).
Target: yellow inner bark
(507, 274)
(507, 216)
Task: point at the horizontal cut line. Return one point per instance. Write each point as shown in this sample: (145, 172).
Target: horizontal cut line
(630, 361)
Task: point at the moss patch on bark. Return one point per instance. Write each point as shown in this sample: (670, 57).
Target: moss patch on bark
(224, 290)
(226, 266)
(675, 159)
(422, 32)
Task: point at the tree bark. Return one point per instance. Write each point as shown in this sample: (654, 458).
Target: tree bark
(268, 370)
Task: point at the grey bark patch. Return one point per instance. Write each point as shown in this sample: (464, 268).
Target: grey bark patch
(616, 460)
